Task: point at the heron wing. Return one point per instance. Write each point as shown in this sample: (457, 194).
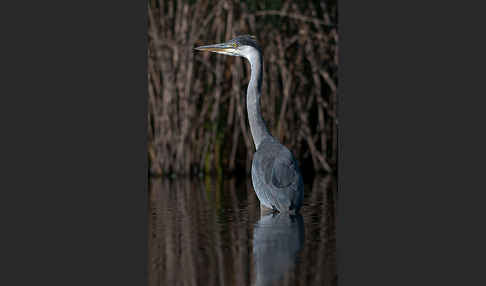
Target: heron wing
(284, 170)
(276, 176)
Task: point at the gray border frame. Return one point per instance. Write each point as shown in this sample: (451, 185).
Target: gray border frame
(75, 147)
(410, 119)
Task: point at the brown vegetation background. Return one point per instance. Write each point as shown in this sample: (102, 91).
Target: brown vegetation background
(197, 121)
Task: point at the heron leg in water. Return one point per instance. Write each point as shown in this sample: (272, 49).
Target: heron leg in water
(264, 210)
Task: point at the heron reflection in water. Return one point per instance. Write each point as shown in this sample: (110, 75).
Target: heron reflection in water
(277, 240)
(275, 174)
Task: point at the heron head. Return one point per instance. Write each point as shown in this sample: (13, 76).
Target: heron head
(242, 46)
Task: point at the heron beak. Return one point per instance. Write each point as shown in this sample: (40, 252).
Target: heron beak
(224, 48)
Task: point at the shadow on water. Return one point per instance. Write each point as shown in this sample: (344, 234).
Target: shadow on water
(210, 232)
(277, 239)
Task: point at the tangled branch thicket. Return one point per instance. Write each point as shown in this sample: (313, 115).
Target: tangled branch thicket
(197, 119)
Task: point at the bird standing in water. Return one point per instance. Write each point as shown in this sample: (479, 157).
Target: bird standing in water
(275, 174)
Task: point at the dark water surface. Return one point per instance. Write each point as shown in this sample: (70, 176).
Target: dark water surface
(210, 232)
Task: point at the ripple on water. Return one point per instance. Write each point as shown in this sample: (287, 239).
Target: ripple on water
(211, 232)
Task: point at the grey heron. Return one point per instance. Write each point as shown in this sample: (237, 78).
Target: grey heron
(275, 173)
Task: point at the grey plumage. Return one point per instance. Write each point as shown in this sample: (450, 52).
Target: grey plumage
(276, 177)
(275, 173)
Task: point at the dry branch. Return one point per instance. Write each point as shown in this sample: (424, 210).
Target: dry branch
(197, 102)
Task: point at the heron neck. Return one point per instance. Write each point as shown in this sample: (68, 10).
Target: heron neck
(258, 128)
